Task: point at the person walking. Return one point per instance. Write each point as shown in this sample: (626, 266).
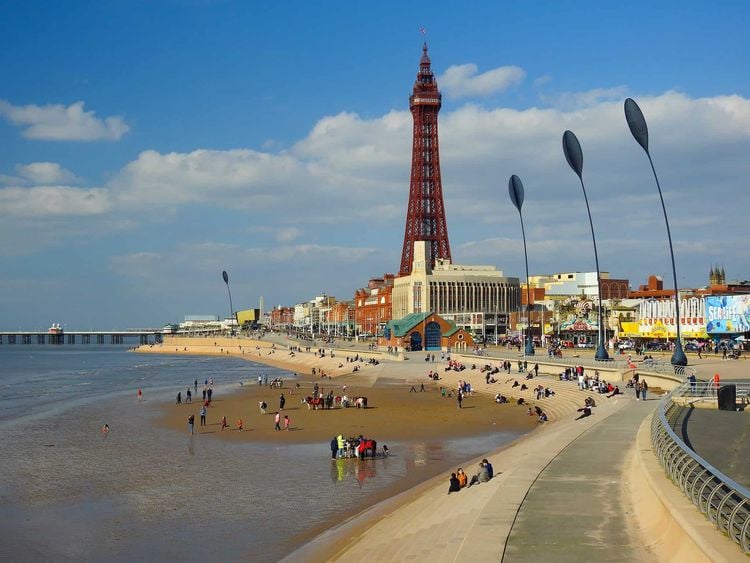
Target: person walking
(282, 402)
(277, 421)
(692, 381)
(191, 423)
(287, 422)
(203, 415)
(644, 389)
(179, 398)
(140, 395)
(195, 386)
(459, 398)
(224, 422)
(188, 396)
(334, 447)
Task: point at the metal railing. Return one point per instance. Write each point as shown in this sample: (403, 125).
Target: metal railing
(658, 366)
(723, 501)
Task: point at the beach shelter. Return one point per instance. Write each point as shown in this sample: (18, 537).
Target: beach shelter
(425, 331)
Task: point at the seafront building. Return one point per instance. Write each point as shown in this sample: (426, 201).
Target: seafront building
(478, 299)
(372, 305)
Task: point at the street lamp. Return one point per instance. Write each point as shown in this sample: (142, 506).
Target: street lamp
(231, 309)
(639, 129)
(515, 189)
(574, 156)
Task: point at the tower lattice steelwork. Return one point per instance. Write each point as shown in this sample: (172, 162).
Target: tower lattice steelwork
(425, 216)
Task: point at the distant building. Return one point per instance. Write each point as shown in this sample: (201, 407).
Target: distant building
(580, 284)
(282, 317)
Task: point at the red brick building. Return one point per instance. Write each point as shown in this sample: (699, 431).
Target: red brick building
(372, 304)
(282, 316)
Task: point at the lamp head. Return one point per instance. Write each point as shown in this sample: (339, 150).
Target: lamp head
(637, 123)
(515, 189)
(573, 152)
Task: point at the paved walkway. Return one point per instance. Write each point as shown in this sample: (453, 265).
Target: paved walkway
(574, 509)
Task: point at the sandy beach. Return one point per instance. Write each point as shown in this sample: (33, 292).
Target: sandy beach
(396, 413)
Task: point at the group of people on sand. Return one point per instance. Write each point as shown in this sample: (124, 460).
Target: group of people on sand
(539, 413)
(358, 447)
(459, 479)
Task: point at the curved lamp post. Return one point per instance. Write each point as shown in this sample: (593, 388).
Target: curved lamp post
(225, 276)
(515, 189)
(639, 129)
(574, 156)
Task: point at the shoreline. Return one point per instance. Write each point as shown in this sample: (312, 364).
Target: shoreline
(334, 542)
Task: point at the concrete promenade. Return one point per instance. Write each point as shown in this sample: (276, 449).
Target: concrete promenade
(578, 509)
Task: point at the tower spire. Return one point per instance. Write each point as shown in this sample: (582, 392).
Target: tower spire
(425, 215)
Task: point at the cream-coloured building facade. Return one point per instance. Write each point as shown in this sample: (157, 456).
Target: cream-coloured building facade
(476, 298)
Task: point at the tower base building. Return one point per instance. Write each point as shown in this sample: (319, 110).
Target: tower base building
(478, 299)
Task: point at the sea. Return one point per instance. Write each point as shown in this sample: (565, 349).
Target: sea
(147, 493)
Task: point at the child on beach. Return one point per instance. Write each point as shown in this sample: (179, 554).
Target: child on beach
(191, 423)
(224, 422)
(286, 422)
(277, 421)
(239, 424)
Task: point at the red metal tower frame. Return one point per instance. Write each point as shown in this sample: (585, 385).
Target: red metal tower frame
(425, 216)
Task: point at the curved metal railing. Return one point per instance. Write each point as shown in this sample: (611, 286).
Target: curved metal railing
(723, 501)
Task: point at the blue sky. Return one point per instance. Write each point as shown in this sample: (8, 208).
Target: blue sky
(149, 145)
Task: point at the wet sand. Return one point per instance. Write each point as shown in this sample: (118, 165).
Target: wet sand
(393, 413)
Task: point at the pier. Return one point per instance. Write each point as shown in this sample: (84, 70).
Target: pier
(144, 336)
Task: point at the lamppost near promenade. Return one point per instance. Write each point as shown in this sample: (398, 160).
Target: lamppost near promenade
(574, 156)
(639, 129)
(515, 189)
(225, 276)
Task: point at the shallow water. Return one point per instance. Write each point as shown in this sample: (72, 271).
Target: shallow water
(144, 492)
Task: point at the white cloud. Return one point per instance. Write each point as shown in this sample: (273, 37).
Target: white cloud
(45, 173)
(461, 81)
(346, 186)
(571, 101)
(47, 201)
(288, 234)
(56, 122)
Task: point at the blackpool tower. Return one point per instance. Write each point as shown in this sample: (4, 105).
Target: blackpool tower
(425, 216)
